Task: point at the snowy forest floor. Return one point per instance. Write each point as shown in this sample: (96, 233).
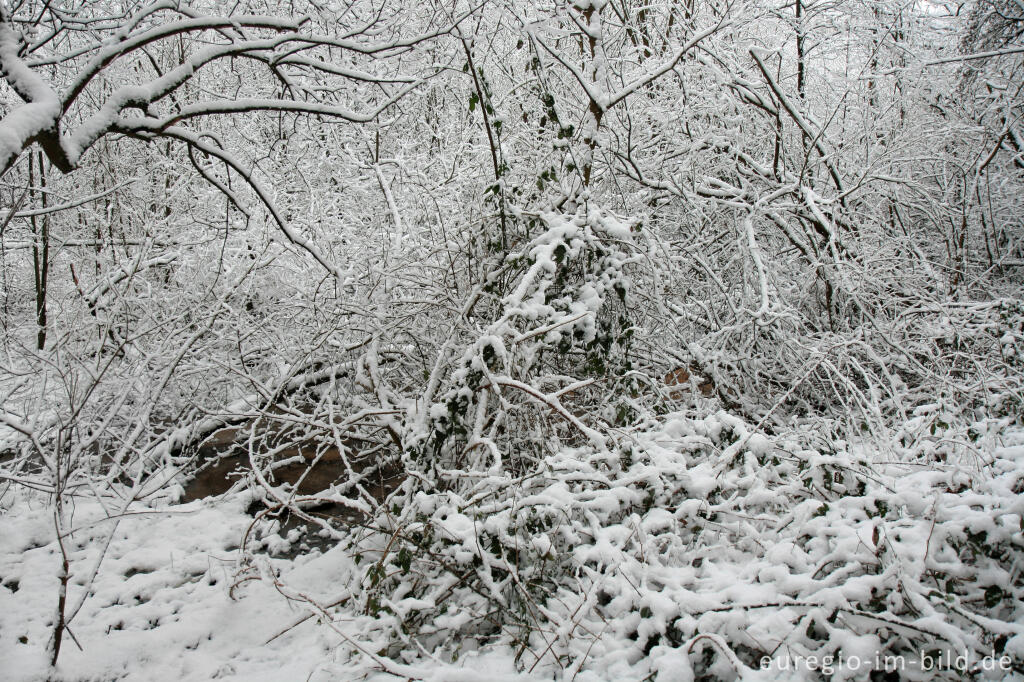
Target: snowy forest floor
(162, 607)
(174, 598)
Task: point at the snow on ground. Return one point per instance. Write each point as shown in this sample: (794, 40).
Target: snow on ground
(161, 607)
(174, 598)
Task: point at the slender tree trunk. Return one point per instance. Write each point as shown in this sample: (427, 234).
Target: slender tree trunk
(40, 248)
(59, 616)
(596, 75)
(800, 66)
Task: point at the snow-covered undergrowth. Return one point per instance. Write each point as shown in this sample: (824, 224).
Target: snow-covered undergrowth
(698, 547)
(632, 340)
(691, 548)
(552, 521)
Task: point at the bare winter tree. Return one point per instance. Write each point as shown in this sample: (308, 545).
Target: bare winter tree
(160, 70)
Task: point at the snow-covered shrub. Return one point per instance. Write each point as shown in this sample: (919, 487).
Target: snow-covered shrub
(689, 533)
(553, 336)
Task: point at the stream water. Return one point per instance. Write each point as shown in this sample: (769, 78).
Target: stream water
(223, 460)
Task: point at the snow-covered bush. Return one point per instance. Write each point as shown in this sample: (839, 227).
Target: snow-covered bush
(697, 547)
(552, 341)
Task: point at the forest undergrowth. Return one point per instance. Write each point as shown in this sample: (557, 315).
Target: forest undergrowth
(583, 340)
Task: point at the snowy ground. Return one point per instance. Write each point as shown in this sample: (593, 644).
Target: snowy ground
(173, 597)
(160, 607)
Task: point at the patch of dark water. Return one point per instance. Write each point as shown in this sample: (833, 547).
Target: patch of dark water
(300, 470)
